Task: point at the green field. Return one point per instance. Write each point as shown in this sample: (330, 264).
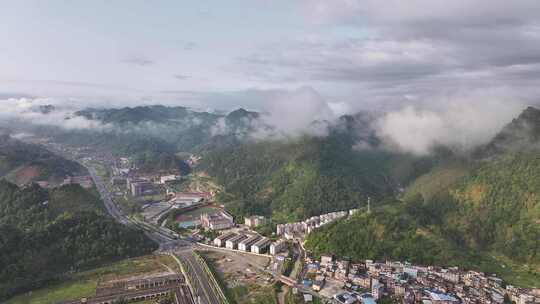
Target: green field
(84, 284)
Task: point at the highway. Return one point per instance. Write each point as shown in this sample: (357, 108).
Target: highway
(158, 235)
(202, 284)
(106, 197)
(168, 242)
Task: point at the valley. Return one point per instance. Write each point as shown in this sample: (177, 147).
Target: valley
(423, 211)
(270, 152)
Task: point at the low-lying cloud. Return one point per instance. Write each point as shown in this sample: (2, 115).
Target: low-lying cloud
(286, 114)
(302, 111)
(459, 124)
(32, 111)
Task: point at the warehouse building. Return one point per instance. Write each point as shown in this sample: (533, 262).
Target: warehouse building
(246, 244)
(261, 246)
(233, 242)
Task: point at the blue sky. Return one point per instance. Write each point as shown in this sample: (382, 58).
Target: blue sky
(352, 54)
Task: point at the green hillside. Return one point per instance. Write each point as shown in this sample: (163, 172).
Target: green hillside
(47, 235)
(489, 219)
(481, 214)
(23, 163)
(437, 180)
(498, 207)
(296, 178)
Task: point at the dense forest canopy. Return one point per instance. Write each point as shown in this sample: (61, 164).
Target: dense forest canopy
(296, 178)
(45, 235)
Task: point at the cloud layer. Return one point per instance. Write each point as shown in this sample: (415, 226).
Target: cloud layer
(389, 50)
(461, 124)
(33, 111)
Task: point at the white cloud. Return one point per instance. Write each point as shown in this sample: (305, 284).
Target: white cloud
(460, 122)
(27, 110)
(294, 113)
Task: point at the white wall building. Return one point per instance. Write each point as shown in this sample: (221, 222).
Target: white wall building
(277, 247)
(246, 244)
(261, 246)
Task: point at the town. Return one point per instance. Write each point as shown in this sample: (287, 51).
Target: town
(176, 206)
(346, 281)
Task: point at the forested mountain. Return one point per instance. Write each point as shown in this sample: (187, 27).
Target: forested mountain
(292, 179)
(474, 213)
(522, 134)
(23, 163)
(46, 235)
(177, 128)
(156, 113)
(152, 135)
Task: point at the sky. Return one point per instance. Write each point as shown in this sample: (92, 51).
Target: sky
(351, 54)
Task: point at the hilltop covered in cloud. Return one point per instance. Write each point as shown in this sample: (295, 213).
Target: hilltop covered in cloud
(461, 123)
(44, 112)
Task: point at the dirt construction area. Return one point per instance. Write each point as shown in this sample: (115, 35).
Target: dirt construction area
(239, 269)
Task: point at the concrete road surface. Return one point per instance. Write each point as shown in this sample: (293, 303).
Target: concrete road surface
(203, 285)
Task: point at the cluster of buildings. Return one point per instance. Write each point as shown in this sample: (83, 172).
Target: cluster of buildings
(300, 229)
(353, 297)
(245, 242)
(411, 284)
(124, 174)
(217, 221)
(137, 186)
(122, 166)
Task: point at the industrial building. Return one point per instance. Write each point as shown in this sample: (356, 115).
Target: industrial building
(277, 247)
(261, 246)
(220, 240)
(142, 188)
(246, 244)
(233, 242)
